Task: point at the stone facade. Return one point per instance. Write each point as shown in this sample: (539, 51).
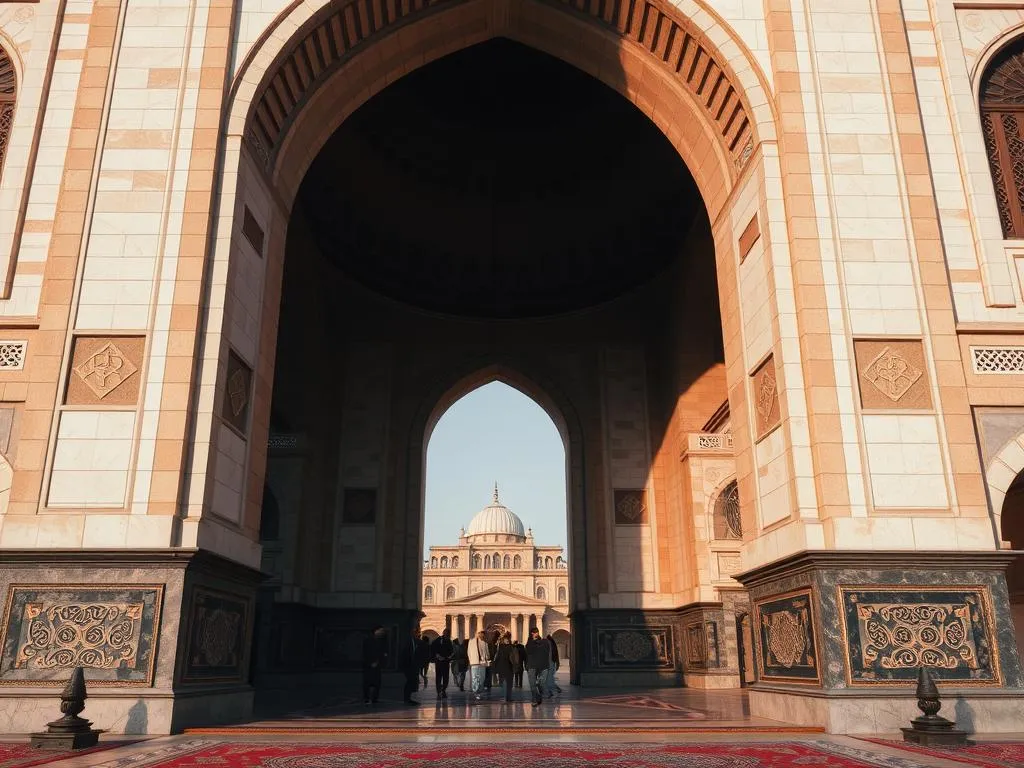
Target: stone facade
(496, 576)
(190, 392)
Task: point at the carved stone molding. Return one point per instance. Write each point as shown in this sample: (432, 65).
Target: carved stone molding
(350, 27)
(892, 374)
(105, 370)
(766, 398)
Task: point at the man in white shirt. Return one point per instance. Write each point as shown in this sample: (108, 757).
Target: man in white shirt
(479, 659)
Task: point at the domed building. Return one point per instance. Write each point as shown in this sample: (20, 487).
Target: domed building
(496, 576)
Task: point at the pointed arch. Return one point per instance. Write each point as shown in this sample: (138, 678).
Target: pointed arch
(517, 562)
(8, 100)
(1001, 104)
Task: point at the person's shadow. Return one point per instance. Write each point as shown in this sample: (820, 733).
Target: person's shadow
(964, 716)
(138, 719)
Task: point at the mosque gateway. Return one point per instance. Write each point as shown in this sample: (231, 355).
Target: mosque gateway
(761, 263)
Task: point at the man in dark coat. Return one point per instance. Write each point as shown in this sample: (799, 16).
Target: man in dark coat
(410, 665)
(518, 663)
(441, 651)
(375, 656)
(423, 657)
(538, 660)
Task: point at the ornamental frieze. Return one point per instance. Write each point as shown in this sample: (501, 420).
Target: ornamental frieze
(891, 633)
(108, 630)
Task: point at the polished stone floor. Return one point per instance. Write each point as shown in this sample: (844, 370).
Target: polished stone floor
(574, 710)
(576, 716)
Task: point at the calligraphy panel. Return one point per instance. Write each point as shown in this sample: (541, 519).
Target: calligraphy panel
(109, 630)
(217, 643)
(891, 632)
(787, 648)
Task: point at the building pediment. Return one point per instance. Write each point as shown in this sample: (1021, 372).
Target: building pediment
(497, 596)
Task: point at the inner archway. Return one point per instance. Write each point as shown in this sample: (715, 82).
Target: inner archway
(552, 238)
(496, 567)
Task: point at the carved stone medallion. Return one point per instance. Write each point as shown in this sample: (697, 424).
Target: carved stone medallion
(766, 398)
(786, 646)
(892, 374)
(631, 506)
(105, 370)
(237, 393)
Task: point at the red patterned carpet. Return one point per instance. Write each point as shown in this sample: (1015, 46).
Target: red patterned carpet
(299, 755)
(987, 754)
(21, 755)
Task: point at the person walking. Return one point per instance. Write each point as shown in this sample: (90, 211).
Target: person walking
(538, 661)
(553, 669)
(503, 663)
(492, 645)
(460, 662)
(518, 663)
(375, 656)
(410, 665)
(423, 658)
(441, 650)
(479, 653)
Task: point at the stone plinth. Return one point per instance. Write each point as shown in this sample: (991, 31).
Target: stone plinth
(179, 655)
(818, 616)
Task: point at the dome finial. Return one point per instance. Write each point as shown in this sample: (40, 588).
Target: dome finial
(496, 492)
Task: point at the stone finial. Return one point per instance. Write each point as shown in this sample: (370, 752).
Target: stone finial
(929, 728)
(496, 492)
(70, 731)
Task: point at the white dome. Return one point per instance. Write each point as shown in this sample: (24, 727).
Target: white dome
(496, 519)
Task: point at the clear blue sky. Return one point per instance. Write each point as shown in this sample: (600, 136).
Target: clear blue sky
(495, 433)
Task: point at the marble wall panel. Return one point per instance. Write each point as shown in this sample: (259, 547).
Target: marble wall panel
(109, 630)
(787, 647)
(891, 633)
(217, 637)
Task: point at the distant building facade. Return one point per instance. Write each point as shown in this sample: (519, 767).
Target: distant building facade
(496, 576)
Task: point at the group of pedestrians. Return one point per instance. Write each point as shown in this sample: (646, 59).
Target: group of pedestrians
(489, 659)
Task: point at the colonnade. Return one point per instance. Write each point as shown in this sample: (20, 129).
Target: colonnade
(463, 625)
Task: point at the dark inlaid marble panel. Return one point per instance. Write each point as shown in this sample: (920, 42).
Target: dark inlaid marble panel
(109, 630)
(635, 646)
(787, 648)
(891, 633)
(217, 642)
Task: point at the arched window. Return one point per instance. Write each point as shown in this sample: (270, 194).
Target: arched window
(444, 561)
(449, 594)
(433, 562)
(1002, 123)
(727, 521)
(542, 594)
(476, 561)
(487, 561)
(506, 562)
(8, 94)
(428, 594)
(455, 562)
(496, 562)
(538, 562)
(517, 562)
(559, 562)
(563, 595)
(547, 562)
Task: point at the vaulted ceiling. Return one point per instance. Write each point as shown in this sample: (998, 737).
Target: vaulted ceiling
(499, 182)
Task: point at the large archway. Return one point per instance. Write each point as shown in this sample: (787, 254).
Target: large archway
(616, 319)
